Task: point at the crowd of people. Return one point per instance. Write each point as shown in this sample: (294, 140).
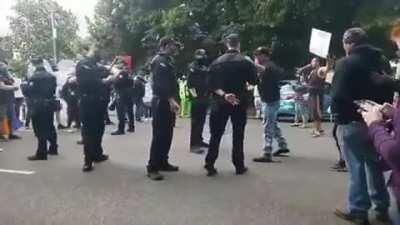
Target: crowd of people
(366, 129)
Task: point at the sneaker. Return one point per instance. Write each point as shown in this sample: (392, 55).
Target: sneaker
(281, 152)
(295, 124)
(155, 175)
(316, 134)
(211, 171)
(351, 218)
(241, 170)
(169, 168)
(304, 126)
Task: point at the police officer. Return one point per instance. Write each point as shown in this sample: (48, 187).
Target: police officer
(40, 92)
(197, 84)
(229, 76)
(69, 92)
(123, 85)
(164, 108)
(93, 91)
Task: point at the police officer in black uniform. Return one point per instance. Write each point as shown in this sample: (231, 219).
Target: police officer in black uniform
(93, 92)
(39, 91)
(197, 83)
(123, 85)
(229, 76)
(69, 92)
(164, 108)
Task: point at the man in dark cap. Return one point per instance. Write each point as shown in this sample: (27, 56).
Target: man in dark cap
(40, 92)
(164, 108)
(197, 84)
(270, 74)
(354, 80)
(229, 76)
(93, 93)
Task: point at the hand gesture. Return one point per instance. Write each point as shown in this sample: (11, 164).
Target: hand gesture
(375, 115)
(232, 99)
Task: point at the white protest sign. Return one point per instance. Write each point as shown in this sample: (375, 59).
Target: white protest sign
(320, 42)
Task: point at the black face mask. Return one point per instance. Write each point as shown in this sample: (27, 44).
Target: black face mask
(202, 61)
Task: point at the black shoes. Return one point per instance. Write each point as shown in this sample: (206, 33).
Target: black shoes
(281, 152)
(241, 170)
(196, 150)
(351, 218)
(37, 158)
(264, 159)
(87, 167)
(211, 171)
(169, 168)
(340, 167)
(131, 130)
(53, 150)
(80, 142)
(155, 175)
(118, 132)
(101, 158)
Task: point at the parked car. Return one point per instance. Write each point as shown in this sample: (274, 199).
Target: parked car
(287, 106)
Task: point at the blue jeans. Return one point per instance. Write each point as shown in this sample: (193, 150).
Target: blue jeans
(271, 128)
(364, 171)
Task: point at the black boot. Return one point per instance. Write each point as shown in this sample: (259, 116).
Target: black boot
(211, 171)
(101, 158)
(166, 167)
(87, 167)
(131, 128)
(53, 149)
(153, 174)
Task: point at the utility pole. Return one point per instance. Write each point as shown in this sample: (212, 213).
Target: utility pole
(54, 32)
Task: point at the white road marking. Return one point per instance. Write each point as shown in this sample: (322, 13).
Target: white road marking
(22, 172)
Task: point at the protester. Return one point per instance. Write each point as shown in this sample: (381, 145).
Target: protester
(269, 75)
(138, 95)
(352, 81)
(386, 144)
(6, 87)
(300, 106)
(316, 82)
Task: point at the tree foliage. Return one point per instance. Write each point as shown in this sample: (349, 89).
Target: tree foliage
(31, 28)
(285, 25)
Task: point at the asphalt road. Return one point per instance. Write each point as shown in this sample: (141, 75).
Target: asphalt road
(299, 191)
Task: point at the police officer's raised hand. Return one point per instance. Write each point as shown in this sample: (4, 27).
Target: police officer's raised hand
(174, 105)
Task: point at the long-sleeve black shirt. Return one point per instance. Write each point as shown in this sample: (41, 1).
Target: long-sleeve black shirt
(231, 72)
(163, 77)
(198, 78)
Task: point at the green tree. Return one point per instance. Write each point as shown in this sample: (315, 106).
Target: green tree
(32, 33)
